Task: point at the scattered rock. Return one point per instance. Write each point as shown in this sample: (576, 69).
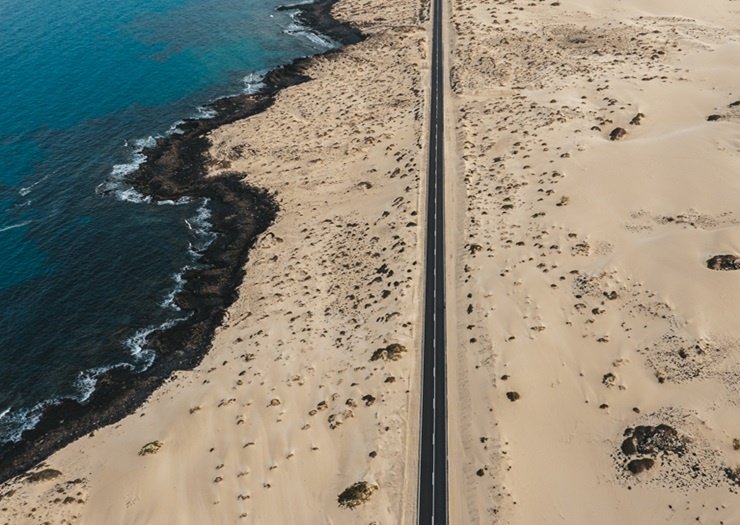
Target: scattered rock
(714, 118)
(337, 419)
(637, 466)
(651, 443)
(42, 475)
(617, 134)
(512, 396)
(150, 448)
(392, 352)
(274, 402)
(369, 399)
(356, 494)
(724, 262)
(637, 119)
(655, 440)
(733, 474)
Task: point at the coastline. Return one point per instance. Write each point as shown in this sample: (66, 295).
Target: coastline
(177, 167)
(593, 363)
(288, 405)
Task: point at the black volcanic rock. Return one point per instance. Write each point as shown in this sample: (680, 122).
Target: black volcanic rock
(617, 134)
(724, 262)
(177, 167)
(637, 466)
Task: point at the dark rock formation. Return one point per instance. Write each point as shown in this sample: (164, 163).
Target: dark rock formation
(43, 475)
(392, 352)
(617, 134)
(637, 119)
(637, 466)
(356, 494)
(651, 442)
(654, 440)
(724, 262)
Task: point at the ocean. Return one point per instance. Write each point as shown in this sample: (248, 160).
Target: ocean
(88, 266)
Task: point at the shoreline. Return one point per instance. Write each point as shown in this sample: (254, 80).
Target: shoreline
(177, 167)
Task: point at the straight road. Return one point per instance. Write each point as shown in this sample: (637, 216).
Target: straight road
(432, 504)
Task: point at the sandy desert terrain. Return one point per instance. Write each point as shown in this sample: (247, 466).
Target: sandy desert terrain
(596, 359)
(593, 361)
(311, 384)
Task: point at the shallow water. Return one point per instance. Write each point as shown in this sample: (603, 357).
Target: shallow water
(87, 266)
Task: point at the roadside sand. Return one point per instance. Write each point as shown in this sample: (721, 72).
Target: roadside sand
(288, 410)
(583, 305)
(580, 262)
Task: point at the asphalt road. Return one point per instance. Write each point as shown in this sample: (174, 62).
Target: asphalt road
(432, 504)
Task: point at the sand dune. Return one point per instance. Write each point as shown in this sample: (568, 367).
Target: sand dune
(584, 307)
(594, 368)
(289, 408)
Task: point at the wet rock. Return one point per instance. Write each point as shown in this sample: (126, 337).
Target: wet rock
(617, 134)
(392, 352)
(724, 262)
(637, 466)
(356, 494)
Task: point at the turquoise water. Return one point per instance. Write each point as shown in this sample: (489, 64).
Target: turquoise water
(87, 266)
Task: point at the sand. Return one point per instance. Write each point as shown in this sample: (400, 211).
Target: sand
(579, 262)
(587, 335)
(287, 409)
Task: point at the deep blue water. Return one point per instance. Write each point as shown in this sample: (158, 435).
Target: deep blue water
(86, 264)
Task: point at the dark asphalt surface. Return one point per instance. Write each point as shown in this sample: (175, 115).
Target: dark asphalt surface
(432, 504)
